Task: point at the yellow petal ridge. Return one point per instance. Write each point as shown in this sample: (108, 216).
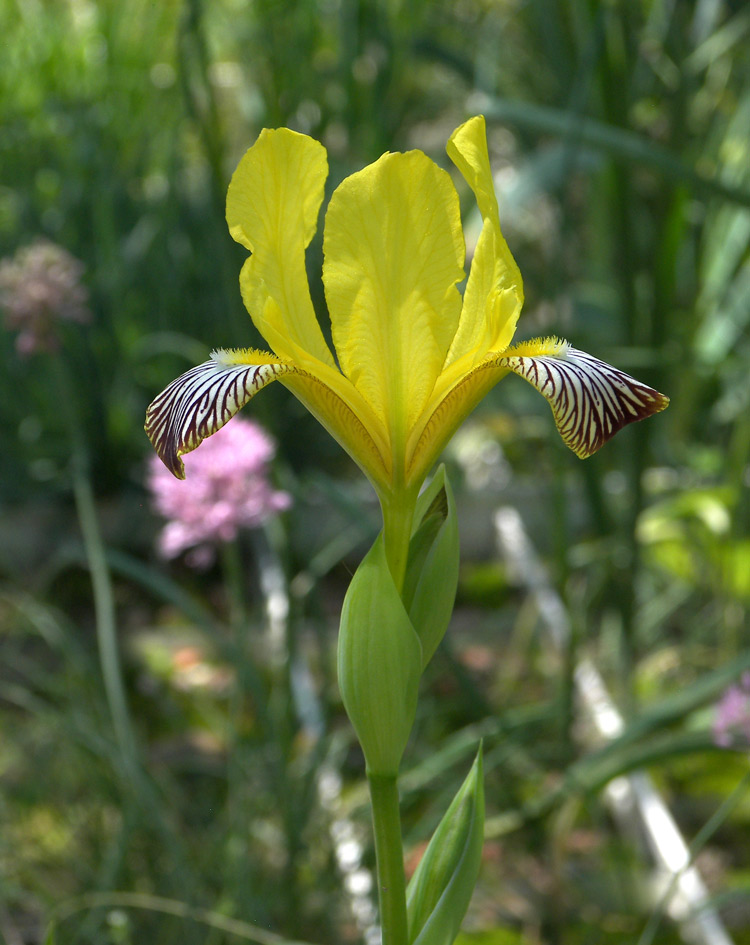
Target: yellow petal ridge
(346, 422)
(272, 208)
(444, 415)
(394, 251)
(494, 290)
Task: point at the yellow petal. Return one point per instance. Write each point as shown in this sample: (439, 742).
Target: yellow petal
(272, 209)
(347, 418)
(446, 412)
(393, 255)
(203, 399)
(590, 400)
(494, 290)
(492, 303)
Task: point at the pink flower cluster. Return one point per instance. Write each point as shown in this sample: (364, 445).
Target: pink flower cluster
(40, 286)
(226, 488)
(732, 720)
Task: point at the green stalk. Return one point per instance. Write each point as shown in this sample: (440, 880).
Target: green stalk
(398, 516)
(390, 859)
(232, 572)
(101, 580)
(104, 609)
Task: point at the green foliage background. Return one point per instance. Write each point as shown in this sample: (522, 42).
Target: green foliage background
(620, 133)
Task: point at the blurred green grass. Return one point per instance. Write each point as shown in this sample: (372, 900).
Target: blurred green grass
(620, 133)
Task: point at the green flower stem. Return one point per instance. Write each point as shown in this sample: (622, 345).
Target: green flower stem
(104, 608)
(101, 580)
(390, 859)
(232, 570)
(398, 515)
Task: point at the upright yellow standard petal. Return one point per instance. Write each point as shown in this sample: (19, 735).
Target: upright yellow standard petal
(491, 306)
(494, 290)
(393, 254)
(272, 209)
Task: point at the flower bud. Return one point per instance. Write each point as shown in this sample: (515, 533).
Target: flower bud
(379, 663)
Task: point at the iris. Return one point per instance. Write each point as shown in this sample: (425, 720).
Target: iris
(413, 356)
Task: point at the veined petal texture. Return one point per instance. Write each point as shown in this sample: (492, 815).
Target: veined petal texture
(590, 399)
(393, 255)
(272, 209)
(200, 401)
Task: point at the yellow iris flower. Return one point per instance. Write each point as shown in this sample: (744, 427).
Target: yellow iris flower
(413, 355)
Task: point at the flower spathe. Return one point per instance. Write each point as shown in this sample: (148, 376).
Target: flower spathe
(413, 356)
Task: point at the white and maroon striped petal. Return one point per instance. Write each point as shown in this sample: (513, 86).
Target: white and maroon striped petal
(199, 402)
(590, 400)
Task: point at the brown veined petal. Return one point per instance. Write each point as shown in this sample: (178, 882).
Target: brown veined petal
(590, 400)
(203, 399)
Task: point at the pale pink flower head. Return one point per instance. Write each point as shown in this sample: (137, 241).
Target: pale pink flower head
(226, 488)
(732, 720)
(39, 287)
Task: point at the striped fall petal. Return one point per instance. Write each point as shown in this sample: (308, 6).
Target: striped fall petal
(200, 401)
(590, 399)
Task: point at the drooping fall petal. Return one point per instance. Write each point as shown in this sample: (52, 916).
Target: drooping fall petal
(590, 399)
(200, 401)
(203, 399)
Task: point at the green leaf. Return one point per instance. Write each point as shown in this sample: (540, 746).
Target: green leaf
(440, 890)
(379, 663)
(432, 569)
